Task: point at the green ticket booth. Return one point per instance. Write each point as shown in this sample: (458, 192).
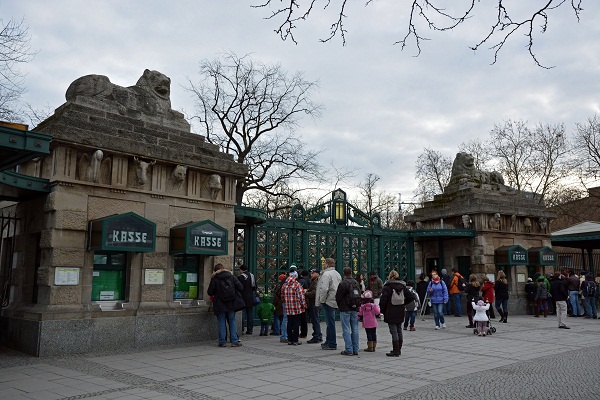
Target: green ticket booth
(540, 258)
(190, 243)
(111, 239)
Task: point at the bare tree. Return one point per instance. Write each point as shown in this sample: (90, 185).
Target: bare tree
(587, 147)
(251, 110)
(433, 174)
(533, 159)
(434, 15)
(482, 157)
(14, 50)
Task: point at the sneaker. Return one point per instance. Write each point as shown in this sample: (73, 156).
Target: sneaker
(444, 325)
(313, 340)
(564, 327)
(437, 327)
(412, 328)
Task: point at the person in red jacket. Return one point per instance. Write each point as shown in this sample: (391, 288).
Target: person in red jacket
(487, 292)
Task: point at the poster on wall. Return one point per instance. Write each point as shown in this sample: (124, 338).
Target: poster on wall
(66, 276)
(154, 276)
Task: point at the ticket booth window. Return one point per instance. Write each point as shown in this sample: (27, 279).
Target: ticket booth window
(187, 278)
(109, 276)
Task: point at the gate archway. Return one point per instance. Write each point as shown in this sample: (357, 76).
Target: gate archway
(334, 228)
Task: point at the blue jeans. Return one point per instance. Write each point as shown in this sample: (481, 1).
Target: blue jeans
(589, 303)
(502, 306)
(330, 340)
(276, 324)
(457, 304)
(229, 318)
(410, 317)
(438, 313)
(313, 313)
(349, 320)
(447, 308)
(284, 335)
(574, 298)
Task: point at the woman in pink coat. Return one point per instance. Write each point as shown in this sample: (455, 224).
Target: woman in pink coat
(368, 313)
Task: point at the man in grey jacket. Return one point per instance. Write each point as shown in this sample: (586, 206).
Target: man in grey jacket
(326, 289)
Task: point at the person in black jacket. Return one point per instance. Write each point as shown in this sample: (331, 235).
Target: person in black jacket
(248, 282)
(422, 291)
(447, 279)
(223, 307)
(394, 314)
(530, 291)
(559, 291)
(472, 291)
(304, 280)
(349, 304)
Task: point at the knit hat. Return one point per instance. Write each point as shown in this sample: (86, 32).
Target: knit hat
(243, 267)
(444, 271)
(367, 294)
(294, 274)
(540, 279)
(480, 303)
(293, 268)
(314, 270)
(529, 280)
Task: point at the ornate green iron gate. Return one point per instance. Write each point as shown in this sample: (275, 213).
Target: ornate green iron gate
(333, 229)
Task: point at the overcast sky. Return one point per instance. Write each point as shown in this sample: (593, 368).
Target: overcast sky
(383, 106)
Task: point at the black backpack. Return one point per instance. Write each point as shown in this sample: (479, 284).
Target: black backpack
(226, 290)
(353, 298)
(590, 289)
(462, 284)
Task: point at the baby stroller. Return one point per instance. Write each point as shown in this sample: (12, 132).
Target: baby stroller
(489, 329)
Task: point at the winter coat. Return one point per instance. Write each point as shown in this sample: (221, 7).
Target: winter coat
(422, 290)
(249, 286)
(375, 286)
(501, 289)
(394, 314)
(480, 314)
(265, 309)
(292, 296)
(438, 292)
(343, 291)
(573, 283)
(531, 290)
(542, 291)
(368, 314)
(454, 284)
(311, 293)
(558, 290)
(411, 306)
(487, 292)
(472, 290)
(219, 305)
(327, 286)
(277, 300)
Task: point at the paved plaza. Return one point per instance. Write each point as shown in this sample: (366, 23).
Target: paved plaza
(528, 358)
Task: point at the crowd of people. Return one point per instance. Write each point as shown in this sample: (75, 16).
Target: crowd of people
(300, 295)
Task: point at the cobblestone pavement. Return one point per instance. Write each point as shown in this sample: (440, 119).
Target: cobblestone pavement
(527, 358)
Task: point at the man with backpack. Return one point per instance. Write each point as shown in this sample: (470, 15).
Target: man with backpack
(588, 290)
(457, 287)
(226, 292)
(348, 299)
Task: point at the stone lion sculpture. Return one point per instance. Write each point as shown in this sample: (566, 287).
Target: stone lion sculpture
(463, 170)
(150, 95)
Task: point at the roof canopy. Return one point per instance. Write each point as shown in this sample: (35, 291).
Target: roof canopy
(585, 235)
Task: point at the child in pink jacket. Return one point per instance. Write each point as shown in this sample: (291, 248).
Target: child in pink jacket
(368, 314)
